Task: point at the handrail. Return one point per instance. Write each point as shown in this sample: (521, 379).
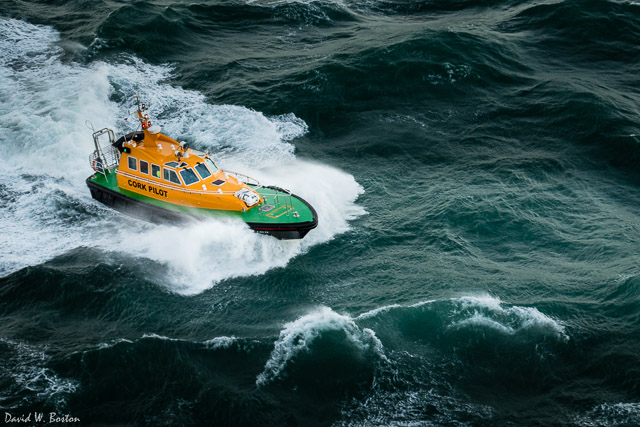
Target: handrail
(104, 157)
(241, 176)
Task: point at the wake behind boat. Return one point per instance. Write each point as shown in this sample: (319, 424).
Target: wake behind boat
(148, 174)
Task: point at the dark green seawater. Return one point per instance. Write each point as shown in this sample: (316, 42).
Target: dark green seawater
(474, 165)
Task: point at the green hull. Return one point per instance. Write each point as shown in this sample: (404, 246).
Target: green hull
(290, 218)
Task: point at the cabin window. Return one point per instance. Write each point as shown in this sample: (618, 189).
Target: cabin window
(133, 163)
(171, 176)
(189, 176)
(155, 171)
(144, 167)
(203, 171)
(171, 164)
(212, 166)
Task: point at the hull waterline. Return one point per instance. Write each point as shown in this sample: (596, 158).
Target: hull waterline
(159, 214)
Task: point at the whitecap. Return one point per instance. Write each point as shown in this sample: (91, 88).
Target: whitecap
(421, 303)
(296, 337)
(218, 343)
(489, 311)
(478, 319)
(151, 335)
(113, 343)
(376, 311)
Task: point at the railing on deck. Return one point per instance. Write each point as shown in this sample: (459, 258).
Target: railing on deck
(106, 155)
(242, 177)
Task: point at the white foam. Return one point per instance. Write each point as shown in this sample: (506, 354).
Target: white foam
(484, 301)
(478, 319)
(533, 318)
(377, 344)
(225, 343)
(44, 149)
(421, 303)
(200, 254)
(43, 142)
(297, 336)
(488, 311)
(391, 406)
(27, 368)
(376, 311)
(330, 191)
(159, 337)
(185, 114)
(113, 343)
(623, 413)
(220, 343)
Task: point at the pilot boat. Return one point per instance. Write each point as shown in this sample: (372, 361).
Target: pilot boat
(148, 174)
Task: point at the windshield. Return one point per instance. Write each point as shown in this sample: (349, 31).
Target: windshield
(203, 171)
(189, 176)
(211, 165)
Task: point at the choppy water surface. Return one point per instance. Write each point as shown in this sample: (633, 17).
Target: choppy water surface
(475, 168)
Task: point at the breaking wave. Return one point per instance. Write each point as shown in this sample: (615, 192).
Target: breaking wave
(480, 311)
(299, 336)
(489, 312)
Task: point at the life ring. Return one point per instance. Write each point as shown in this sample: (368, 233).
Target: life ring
(96, 164)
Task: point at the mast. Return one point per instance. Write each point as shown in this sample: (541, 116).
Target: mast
(144, 118)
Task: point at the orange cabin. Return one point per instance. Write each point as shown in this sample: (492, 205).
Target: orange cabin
(159, 167)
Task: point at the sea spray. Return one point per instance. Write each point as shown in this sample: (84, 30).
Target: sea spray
(197, 255)
(501, 189)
